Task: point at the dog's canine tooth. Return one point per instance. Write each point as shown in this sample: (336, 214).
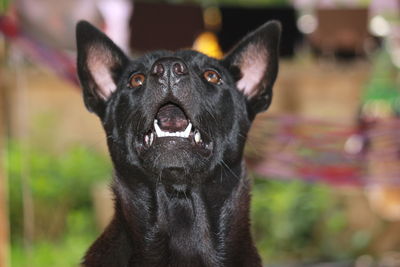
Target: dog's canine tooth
(159, 132)
(197, 137)
(151, 138)
(187, 130)
(146, 139)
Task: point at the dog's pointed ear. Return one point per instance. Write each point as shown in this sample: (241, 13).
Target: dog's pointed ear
(100, 65)
(254, 64)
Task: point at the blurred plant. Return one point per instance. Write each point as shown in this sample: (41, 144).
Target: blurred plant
(298, 222)
(3, 6)
(65, 252)
(381, 97)
(60, 185)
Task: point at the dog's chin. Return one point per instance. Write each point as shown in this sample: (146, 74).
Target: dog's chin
(175, 159)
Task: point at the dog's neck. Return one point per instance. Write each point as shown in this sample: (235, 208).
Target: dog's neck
(201, 226)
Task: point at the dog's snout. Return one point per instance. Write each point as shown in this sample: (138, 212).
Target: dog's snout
(170, 66)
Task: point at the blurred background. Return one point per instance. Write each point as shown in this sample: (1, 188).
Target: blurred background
(325, 159)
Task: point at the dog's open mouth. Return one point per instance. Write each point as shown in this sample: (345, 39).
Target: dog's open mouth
(171, 122)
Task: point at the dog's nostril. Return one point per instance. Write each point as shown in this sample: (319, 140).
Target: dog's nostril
(179, 68)
(158, 69)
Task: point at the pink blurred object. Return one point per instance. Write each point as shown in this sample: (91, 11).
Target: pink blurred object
(44, 31)
(53, 22)
(59, 62)
(384, 6)
(117, 14)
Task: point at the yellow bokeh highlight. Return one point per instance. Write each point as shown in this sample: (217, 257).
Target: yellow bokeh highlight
(207, 43)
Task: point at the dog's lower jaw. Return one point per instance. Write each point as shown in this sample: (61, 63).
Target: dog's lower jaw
(151, 227)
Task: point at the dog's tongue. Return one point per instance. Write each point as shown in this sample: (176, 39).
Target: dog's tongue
(171, 118)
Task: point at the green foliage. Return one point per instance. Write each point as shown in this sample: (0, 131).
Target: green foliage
(382, 84)
(294, 221)
(60, 185)
(3, 6)
(65, 252)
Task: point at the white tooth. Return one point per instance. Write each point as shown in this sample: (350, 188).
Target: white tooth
(151, 138)
(159, 132)
(187, 130)
(146, 139)
(197, 137)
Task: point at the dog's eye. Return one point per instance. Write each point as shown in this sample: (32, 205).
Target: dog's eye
(137, 80)
(212, 77)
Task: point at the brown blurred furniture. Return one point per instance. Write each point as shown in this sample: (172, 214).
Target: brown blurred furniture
(341, 30)
(164, 26)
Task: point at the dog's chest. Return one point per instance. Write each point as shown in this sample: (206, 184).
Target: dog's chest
(183, 233)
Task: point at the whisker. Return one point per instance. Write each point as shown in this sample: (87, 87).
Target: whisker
(159, 179)
(230, 170)
(221, 175)
(212, 115)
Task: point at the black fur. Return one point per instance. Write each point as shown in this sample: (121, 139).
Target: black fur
(177, 202)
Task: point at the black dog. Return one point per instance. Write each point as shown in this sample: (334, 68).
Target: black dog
(176, 124)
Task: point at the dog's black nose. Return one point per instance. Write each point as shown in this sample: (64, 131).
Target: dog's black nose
(174, 66)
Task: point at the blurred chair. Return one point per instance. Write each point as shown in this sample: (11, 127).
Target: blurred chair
(341, 31)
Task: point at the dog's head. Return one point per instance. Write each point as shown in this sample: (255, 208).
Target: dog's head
(177, 114)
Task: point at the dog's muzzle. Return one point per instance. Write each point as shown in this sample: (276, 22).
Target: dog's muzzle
(171, 122)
